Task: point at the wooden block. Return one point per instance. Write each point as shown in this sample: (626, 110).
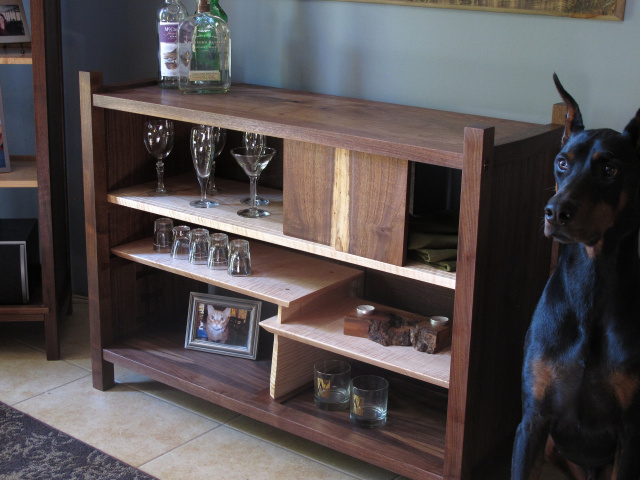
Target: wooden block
(429, 338)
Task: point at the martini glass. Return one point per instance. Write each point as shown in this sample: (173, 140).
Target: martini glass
(203, 147)
(255, 143)
(253, 163)
(158, 138)
(220, 139)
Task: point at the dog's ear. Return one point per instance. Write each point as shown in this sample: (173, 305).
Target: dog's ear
(632, 130)
(573, 122)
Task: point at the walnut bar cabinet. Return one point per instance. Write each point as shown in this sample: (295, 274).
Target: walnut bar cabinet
(343, 189)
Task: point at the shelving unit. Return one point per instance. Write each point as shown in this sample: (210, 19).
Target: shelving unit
(46, 172)
(337, 238)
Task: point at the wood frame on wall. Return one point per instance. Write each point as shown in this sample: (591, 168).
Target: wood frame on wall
(594, 9)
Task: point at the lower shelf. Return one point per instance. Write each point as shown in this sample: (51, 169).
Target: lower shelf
(412, 443)
(34, 311)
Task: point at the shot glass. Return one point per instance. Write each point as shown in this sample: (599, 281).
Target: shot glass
(180, 243)
(331, 380)
(368, 406)
(199, 246)
(239, 258)
(162, 229)
(219, 251)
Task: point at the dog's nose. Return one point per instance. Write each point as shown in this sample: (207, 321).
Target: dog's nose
(560, 213)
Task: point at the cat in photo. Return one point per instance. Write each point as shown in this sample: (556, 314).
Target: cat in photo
(216, 324)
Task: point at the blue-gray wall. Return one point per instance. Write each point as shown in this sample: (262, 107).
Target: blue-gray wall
(495, 64)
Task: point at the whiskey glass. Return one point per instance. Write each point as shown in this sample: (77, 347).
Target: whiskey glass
(220, 140)
(202, 149)
(253, 163)
(158, 139)
(254, 142)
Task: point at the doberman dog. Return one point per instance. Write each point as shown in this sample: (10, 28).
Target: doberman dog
(581, 372)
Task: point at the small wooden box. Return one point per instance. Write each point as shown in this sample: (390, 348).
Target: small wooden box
(395, 327)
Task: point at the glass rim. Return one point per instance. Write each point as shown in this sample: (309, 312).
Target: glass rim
(344, 366)
(380, 384)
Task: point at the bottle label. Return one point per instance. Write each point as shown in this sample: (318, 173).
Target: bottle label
(206, 64)
(168, 35)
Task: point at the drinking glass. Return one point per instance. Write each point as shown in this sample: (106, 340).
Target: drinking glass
(162, 228)
(331, 384)
(219, 251)
(255, 143)
(220, 140)
(368, 406)
(253, 163)
(181, 241)
(199, 246)
(158, 138)
(239, 258)
(203, 147)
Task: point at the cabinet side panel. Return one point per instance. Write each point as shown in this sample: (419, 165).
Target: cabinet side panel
(499, 282)
(307, 191)
(378, 207)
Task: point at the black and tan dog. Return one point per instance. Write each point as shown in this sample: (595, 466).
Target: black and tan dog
(581, 374)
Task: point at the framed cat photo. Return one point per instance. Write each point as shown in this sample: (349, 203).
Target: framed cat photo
(224, 325)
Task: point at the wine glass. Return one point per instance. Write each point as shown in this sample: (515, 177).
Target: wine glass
(253, 162)
(254, 142)
(221, 138)
(158, 138)
(203, 147)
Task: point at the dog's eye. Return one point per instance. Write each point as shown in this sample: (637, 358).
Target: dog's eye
(562, 164)
(609, 171)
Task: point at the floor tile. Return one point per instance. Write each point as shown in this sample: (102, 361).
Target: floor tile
(230, 454)
(332, 458)
(130, 425)
(25, 372)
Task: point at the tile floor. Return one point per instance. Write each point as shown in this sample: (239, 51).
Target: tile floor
(162, 431)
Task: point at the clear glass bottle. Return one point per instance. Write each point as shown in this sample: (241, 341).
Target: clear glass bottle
(204, 51)
(169, 17)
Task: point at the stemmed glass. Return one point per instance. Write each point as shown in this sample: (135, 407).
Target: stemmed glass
(254, 142)
(203, 146)
(253, 162)
(221, 138)
(158, 138)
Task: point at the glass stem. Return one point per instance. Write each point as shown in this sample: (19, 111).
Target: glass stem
(203, 188)
(254, 194)
(160, 169)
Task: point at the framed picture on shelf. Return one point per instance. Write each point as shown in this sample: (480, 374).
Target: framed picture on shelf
(224, 325)
(13, 22)
(5, 165)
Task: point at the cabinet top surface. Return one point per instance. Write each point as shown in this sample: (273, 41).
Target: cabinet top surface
(412, 133)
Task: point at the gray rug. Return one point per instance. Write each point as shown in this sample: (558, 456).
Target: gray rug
(32, 450)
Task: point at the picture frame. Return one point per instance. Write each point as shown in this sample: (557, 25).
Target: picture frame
(223, 325)
(592, 9)
(5, 163)
(14, 27)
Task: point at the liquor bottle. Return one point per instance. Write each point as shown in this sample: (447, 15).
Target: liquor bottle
(169, 18)
(204, 52)
(216, 10)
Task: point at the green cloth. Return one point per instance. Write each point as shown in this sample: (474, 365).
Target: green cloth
(431, 240)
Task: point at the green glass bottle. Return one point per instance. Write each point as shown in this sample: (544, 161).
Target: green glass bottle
(216, 10)
(204, 50)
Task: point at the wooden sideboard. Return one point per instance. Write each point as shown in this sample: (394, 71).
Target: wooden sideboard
(342, 188)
